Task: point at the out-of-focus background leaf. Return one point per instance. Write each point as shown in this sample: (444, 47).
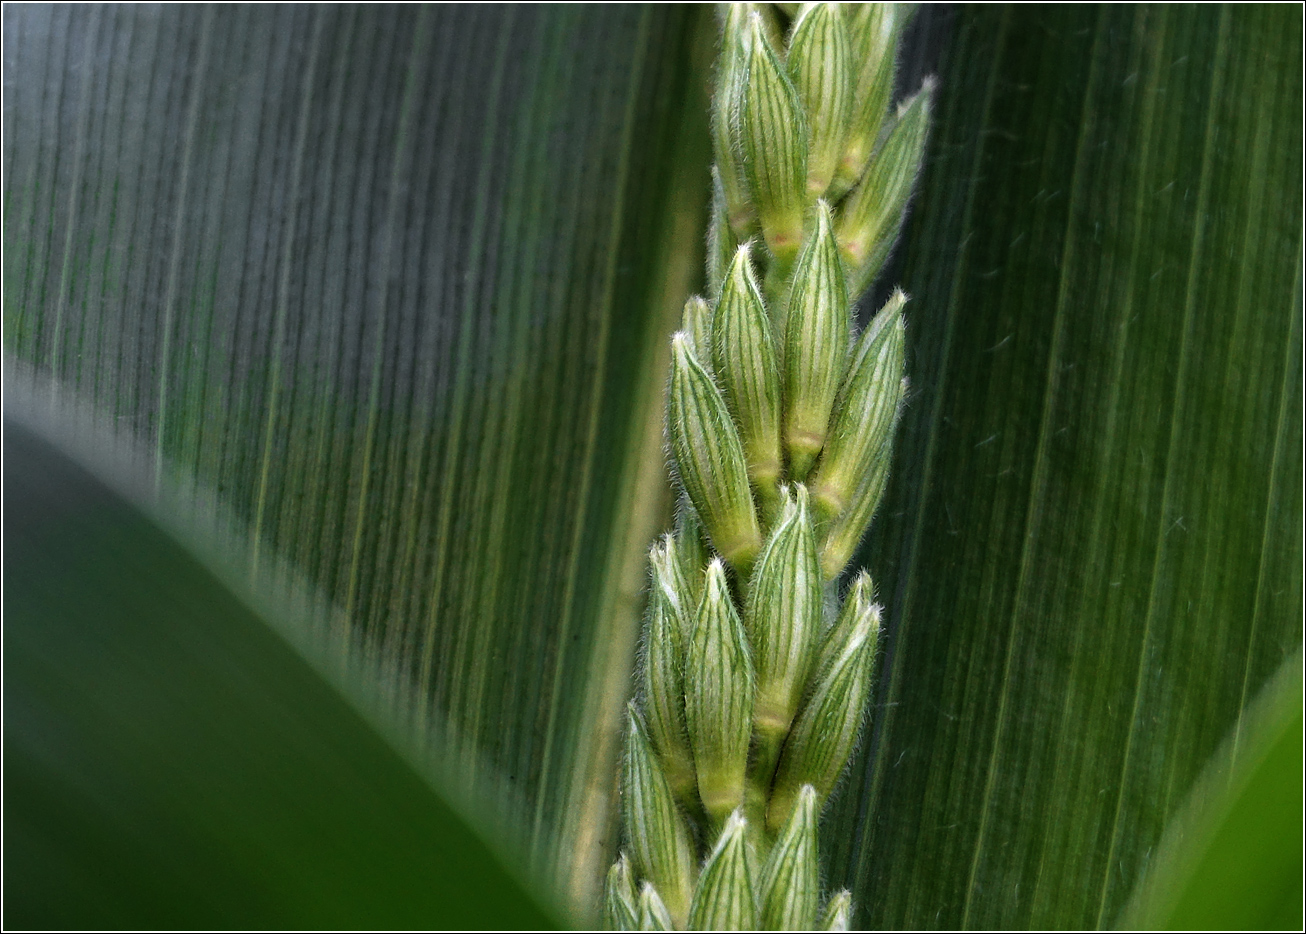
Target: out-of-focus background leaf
(1091, 549)
(395, 283)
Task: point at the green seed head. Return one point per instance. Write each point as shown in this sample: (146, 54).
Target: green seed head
(872, 30)
(664, 651)
(825, 731)
(696, 323)
(724, 898)
(865, 412)
(619, 897)
(820, 64)
(773, 137)
(816, 344)
(838, 912)
(870, 222)
(790, 890)
(857, 604)
(653, 914)
(721, 240)
(692, 554)
(783, 616)
(744, 358)
(732, 72)
(719, 685)
(841, 538)
(710, 458)
(659, 840)
(670, 586)
(780, 429)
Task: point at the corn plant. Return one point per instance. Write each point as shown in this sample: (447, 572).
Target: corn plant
(337, 342)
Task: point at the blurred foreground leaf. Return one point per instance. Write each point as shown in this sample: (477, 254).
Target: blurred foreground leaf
(1231, 858)
(171, 762)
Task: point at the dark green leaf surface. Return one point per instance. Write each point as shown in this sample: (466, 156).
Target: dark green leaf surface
(171, 762)
(386, 279)
(1091, 549)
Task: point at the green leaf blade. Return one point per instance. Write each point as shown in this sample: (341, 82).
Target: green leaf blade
(1106, 353)
(387, 281)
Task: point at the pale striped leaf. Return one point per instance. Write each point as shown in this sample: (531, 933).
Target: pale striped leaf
(394, 282)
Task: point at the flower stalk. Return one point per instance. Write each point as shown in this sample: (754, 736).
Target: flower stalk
(780, 422)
